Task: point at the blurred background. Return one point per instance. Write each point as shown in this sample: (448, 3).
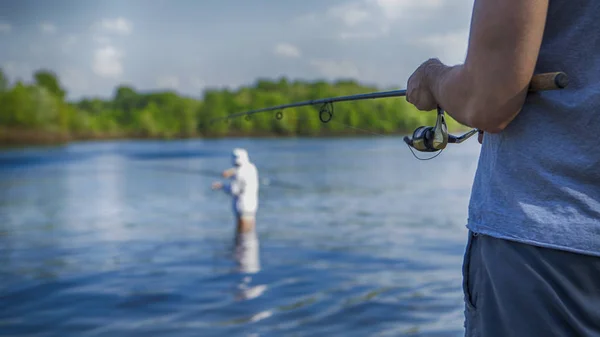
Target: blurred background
(108, 224)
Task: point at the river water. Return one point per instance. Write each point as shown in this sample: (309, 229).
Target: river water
(355, 237)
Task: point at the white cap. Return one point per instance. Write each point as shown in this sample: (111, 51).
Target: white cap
(240, 156)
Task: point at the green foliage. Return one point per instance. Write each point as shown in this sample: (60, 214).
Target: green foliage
(3, 82)
(48, 80)
(41, 106)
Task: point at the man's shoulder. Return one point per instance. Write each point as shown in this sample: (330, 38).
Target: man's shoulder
(251, 166)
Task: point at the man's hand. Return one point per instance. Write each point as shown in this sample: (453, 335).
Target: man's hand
(228, 173)
(217, 185)
(418, 90)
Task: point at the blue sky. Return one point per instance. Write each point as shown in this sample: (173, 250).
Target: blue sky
(189, 45)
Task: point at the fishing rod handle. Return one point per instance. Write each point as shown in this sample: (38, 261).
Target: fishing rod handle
(548, 81)
(540, 82)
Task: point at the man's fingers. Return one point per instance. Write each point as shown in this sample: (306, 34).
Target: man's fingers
(408, 93)
(423, 101)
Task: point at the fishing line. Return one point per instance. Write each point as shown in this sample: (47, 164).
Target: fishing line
(329, 118)
(265, 181)
(380, 134)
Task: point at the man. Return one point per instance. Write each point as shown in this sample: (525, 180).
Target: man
(243, 187)
(532, 261)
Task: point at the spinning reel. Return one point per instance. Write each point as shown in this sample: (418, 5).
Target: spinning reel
(435, 138)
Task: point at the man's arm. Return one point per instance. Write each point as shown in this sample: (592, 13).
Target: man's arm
(489, 89)
(229, 172)
(233, 187)
(236, 185)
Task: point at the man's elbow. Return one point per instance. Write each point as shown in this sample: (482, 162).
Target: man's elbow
(489, 125)
(492, 117)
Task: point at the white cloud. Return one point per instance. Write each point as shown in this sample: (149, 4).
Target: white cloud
(364, 34)
(350, 14)
(353, 19)
(71, 39)
(371, 19)
(73, 78)
(5, 27)
(102, 40)
(17, 71)
(398, 8)
(47, 28)
(287, 50)
(168, 82)
(197, 83)
(336, 69)
(107, 62)
(10, 68)
(306, 19)
(35, 49)
(119, 26)
(69, 42)
(451, 47)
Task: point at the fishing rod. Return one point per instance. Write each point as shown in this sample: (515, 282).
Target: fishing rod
(424, 138)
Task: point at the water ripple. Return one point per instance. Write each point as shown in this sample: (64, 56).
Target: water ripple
(94, 241)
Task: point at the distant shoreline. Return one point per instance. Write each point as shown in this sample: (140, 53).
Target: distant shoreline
(37, 114)
(10, 138)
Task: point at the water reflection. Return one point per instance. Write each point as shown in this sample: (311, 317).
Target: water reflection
(97, 202)
(247, 257)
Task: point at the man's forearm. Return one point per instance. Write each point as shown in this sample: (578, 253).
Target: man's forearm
(229, 172)
(457, 92)
(489, 89)
(450, 87)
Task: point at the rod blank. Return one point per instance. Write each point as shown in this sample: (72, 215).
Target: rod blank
(539, 82)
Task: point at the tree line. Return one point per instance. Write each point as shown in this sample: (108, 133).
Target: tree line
(40, 112)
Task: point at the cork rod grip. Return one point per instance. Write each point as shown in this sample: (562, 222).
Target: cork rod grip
(548, 81)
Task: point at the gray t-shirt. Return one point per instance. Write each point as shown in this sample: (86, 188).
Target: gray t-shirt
(538, 181)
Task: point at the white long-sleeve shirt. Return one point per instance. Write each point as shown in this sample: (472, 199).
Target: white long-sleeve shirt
(243, 187)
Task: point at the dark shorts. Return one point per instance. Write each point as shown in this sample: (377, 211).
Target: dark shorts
(515, 289)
